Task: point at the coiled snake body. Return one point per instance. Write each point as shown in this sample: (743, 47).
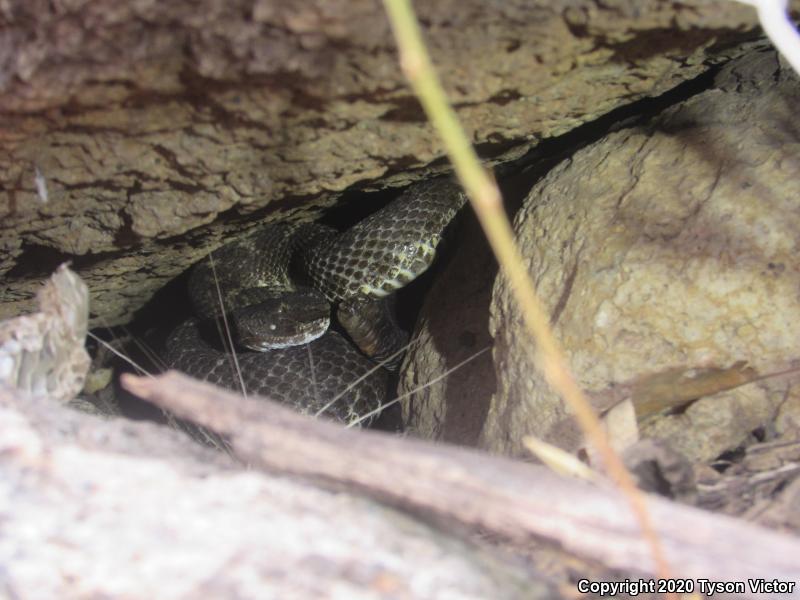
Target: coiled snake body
(278, 285)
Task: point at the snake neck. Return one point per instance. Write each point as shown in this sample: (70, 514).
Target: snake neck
(386, 250)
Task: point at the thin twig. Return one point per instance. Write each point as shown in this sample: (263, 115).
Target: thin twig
(313, 372)
(487, 203)
(227, 327)
(119, 354)
(146, 349)
(420, 388)
(354, 383)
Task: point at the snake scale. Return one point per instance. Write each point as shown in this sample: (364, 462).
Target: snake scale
(278, 286)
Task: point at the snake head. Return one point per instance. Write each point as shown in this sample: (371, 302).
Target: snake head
(288, 319)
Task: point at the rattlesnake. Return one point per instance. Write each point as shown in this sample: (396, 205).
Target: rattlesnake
(279, 284)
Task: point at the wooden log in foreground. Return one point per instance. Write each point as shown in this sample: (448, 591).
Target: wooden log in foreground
(516, 500)
(112, 508)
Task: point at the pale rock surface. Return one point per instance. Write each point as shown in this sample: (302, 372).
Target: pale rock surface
(666, 246)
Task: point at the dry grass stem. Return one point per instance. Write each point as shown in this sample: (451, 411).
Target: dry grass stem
(139, 369)
(422, 387)
(355, 382)
(487, 203)
(227, 327)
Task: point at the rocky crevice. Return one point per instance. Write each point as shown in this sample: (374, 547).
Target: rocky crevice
(160, 129)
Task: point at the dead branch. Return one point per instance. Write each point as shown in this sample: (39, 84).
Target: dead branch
(516, 500)
(97, 508)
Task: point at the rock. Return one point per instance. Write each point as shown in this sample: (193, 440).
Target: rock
(453, 327)
(788, 418)
(666, 246)
(141, 135)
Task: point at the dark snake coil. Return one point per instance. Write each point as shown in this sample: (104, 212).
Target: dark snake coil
(351, 270)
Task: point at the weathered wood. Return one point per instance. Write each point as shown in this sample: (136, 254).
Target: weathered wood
(94, 508)
(517, 500)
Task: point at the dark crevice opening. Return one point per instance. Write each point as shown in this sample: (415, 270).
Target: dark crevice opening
(169, 305)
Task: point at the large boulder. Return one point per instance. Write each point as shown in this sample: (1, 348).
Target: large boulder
(666, 249)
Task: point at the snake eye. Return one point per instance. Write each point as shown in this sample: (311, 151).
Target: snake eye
(272, 327)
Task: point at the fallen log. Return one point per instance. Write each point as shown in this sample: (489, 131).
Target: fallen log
(109, 508)
(518, 501)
